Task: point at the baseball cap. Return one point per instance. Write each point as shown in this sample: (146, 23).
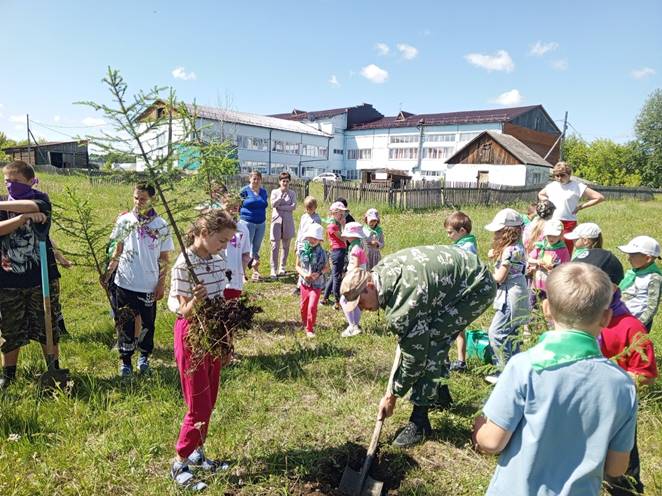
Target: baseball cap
(372, 214)
(337, 206)
(605, 260)
(314, 231)
(586, 230)
(552, 228)
(353, 284)
(353, 230)
(505, 218)
(642, 244)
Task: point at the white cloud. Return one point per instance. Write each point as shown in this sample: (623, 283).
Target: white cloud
(642, 73)
(382, 48)
(180, 73)
(93, 121)
(538, 49)
(17, 118)
(408, 52)
(56, 118)
(560, 64)
(512, 97)
(333, 81)
(500, 61)
(374, 73)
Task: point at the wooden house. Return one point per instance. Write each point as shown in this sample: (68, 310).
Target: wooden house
(497, 158)
(61, 154)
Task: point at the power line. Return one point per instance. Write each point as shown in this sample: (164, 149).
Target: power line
(70, 127)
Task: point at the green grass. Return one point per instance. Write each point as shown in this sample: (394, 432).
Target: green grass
(290, 415)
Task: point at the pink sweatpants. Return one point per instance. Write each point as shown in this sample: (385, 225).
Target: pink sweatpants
(310, 298)
(200, 389)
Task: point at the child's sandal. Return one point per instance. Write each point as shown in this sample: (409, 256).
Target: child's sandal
(183, 477)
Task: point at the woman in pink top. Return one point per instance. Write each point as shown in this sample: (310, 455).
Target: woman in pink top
(358, 259)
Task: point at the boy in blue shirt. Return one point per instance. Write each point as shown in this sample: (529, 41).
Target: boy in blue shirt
(562, 415)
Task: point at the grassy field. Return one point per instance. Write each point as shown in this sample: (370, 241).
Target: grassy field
(290, 414)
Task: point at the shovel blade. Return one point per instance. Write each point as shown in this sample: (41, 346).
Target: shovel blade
(352, 485)
(54, 379)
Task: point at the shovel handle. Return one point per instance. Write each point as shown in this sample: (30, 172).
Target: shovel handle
(46, 293)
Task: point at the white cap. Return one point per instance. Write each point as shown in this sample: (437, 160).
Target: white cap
(505, 218)
(372, 214)
(586, 230)
(353, 230)
(552, 227)
(642, 244)
(314, 231)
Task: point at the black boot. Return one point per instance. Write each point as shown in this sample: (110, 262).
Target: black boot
(416, 429)
(7, 377)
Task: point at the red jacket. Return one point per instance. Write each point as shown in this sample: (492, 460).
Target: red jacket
(620, 334)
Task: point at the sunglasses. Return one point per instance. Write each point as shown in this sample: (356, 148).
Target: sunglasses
(560, 175)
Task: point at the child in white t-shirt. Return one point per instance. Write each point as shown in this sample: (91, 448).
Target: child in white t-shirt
(140, 262)
(238, 251)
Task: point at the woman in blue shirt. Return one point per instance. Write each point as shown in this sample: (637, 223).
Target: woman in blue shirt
(253, 213)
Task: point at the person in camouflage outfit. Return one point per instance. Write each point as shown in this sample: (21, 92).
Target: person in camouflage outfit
(429, 295)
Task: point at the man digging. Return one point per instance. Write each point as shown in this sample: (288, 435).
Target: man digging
(429, 295)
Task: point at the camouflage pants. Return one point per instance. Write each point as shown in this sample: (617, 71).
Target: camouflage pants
(22, 316)
(444, 323)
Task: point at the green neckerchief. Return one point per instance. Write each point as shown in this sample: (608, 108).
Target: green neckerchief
(307, 252)
(578, 251)
(467, 238)
(356, 242)
(525, 219)
(563, 347)
(330, 220)
(377, 231)
(632, 274)
(544, 246)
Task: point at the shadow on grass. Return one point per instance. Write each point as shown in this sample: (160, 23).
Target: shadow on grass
(279, 326)
(318, 471)
(107, 337)
(289, 365)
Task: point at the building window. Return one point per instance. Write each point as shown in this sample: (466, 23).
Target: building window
(468, 136)
(337, 151)
(352, 174)
(404, 138)
(403, 153)
(437, 152)
(314, 151)
(359, 154)
(251, 165)
(439, 137)
(252, 143)
(161, 140)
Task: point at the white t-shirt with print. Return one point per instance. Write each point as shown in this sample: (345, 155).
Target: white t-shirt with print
(237, 246)
(565, 198)
(138, 266)
(210, 272)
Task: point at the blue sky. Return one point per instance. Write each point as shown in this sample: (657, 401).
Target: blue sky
(597, 60)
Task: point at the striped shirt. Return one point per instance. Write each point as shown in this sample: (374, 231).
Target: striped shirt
(210, 272)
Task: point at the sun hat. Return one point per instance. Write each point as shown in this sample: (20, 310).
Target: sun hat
(353, 284)
(314, 231)
(586, 230)
(337, 206)
(505, 218)
(552, 227)
(642, 244)
(372, 214)
(353, 230)
(605, 260)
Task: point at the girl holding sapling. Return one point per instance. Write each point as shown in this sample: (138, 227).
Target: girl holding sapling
(199, 378)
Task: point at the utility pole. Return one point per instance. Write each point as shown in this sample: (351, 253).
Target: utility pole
(421, 126)
(565, 127)
(27, 121)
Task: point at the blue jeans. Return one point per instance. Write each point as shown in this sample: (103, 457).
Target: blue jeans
(255, 236)
(512, 310)
(338, 256)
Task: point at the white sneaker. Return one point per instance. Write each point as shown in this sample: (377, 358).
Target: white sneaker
(352, 330)
(492, 378)
(256, 276)
(310, 334)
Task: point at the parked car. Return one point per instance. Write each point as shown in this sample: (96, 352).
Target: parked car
(327, 176)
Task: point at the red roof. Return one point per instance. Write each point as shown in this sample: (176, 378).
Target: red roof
(448, 118)
(299, 115)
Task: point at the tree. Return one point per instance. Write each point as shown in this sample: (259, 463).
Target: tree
(648, 129)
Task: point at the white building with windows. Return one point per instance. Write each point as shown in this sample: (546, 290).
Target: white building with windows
(350, 140)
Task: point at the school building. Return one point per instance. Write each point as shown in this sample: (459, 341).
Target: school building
(350, 140)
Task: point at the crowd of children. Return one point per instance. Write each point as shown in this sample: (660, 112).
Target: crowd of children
(598, 312)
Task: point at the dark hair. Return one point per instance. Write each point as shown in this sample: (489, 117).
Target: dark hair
(214, 220)
(284, 175)
(458, 220)
(20, 167)
(146, 187)
(545, 209)
(341, 200)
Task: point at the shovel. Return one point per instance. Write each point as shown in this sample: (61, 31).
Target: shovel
(360, 483)
(52, 378)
